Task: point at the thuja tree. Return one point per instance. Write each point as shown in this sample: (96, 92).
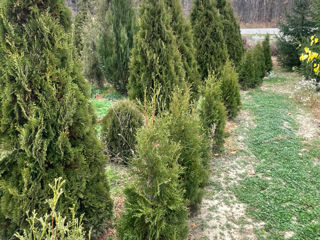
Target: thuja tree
(80, 21)
(213, 112)
(185, 129)
(231, 31)
(154, 206)
(297, 26)
(183, 32)
(230, 90)
(267, 53)
(89, 55)
(47, 124)
(156, 61)
(211, 50)
(116, 43)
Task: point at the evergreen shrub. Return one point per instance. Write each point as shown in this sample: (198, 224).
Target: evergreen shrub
(119, 128)
(230, 90)
(185, 129)
(47, 124)
(118, 27)
(154, 206)
(184, 37)
(213, 113)
(211, 50)
(259, 63)
(267, 54)
(156, 61)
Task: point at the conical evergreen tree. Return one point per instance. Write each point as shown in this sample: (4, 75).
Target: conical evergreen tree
(230, 90)
(211, 50)
(267, 53)
(154, 206)
(185, 129)
(47, 125)
(89, 55)
(116, 44)
(84, 7)
(213, 112)
(183, 32)
(231, 31)
(155, 62)
(247, 74)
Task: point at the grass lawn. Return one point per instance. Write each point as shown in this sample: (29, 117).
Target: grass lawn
(284, 193)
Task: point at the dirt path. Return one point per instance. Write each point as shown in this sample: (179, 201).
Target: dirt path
(222, 215)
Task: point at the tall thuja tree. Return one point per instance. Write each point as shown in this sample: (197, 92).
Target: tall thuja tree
(211, 50)
(80, 21)
(231, 31)
(47, 124)
(294, 30)
(267, 53)
(116, 43)
(156, 61)
(183, 32)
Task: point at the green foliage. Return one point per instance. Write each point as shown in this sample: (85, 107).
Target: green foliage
(211, 50)
(89, 54)
(185, 129)
(183, 33)
(213, 112)
(116, 42)
(316, 13)
(231, 32)
(253, 69)
(230, 90)
(84, 8)
(260, 63)
(267, 54)
(119, 128)
(154, 206)
(47, 124)
(53, 225)
(155, 62)
(297, 27)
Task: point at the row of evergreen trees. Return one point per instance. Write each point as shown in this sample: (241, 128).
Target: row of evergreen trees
(47, 124)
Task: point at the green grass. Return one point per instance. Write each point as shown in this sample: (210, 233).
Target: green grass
(276, 79)
(102, 106)
(285, 191)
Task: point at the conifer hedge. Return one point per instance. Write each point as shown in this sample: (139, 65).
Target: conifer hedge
(155, 61)
(211, 50)
(47, 125)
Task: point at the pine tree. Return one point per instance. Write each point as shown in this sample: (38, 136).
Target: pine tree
(116, 43)
(155, 62)
(231, 32)
(84, 8)
(211, 50)
(230, 90)
(185, 129)
(267, 53)
(47, 124)
(154, 206)
(213, 112)
(297, 27)
(183, 32)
